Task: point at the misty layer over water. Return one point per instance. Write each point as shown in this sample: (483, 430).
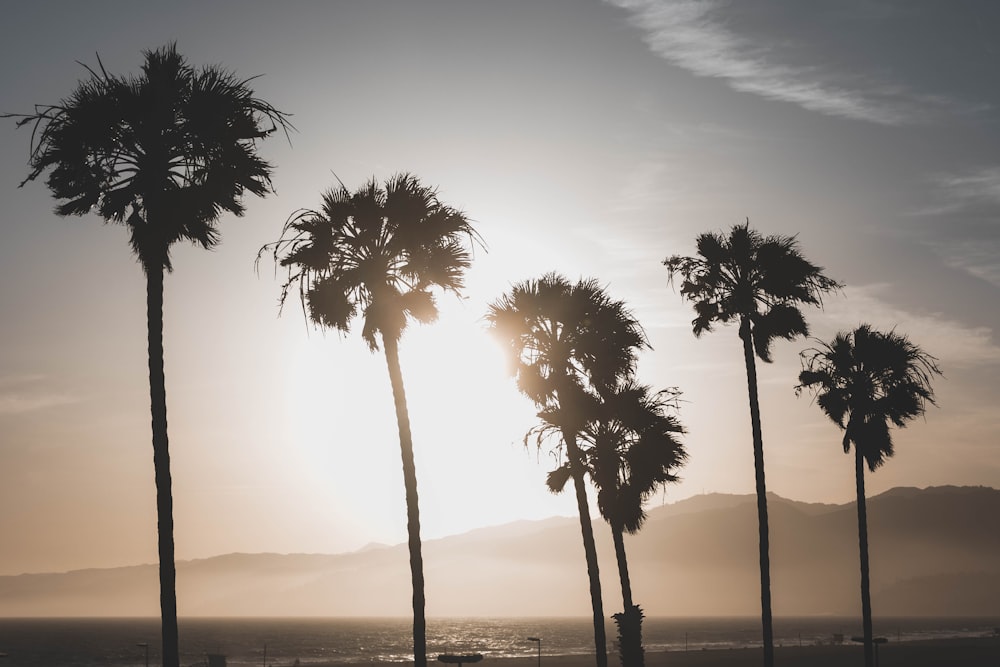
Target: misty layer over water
(91, 642)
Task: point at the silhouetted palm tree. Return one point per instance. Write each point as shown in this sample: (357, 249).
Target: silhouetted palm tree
(630, 450)
(566, 342)
(863, 380)
(378, 252)
(165, 154)
(758, 281)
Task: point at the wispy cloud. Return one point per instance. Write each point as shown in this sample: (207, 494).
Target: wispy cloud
(980, 258)
(954, 343)
(22, 393)
(649, 184)
(966, 237)
(689, 34)
(975, 187)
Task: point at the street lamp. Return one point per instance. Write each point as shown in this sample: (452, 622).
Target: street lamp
(144, 645)
(537, 640)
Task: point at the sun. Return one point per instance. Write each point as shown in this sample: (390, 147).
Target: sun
(455, 369)
(468, 421)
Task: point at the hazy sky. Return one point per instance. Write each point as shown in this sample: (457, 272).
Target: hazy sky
(590, 138)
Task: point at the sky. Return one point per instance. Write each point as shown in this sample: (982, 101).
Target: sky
(589, 138)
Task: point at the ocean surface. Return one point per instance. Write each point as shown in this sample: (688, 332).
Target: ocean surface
(281, 642)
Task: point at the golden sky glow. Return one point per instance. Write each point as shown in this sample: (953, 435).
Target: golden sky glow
(579, 137)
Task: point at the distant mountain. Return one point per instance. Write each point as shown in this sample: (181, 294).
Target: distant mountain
(934, 551)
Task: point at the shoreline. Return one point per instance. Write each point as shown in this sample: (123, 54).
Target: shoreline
(960, 652)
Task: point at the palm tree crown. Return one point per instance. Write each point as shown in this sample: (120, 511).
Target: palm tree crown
(630, 449)
(753, 278)
(377, 251)
(164, 153)
(561, 335)
(866, 379)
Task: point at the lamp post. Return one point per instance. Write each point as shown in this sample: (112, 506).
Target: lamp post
(537, 640)
(145, 646)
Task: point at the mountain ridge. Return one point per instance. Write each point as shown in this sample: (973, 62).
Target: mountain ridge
(933, 549)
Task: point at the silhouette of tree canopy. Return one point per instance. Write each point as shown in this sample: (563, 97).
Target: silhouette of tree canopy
(377, 253)
(758, 281)
(165, 153)
(865, 380)
(629, 449)
(565, 342)
(751, 278)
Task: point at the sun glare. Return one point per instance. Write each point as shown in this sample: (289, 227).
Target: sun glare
(467, 418)
(469, 422)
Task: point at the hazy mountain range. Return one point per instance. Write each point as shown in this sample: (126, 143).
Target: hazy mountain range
(934, 551)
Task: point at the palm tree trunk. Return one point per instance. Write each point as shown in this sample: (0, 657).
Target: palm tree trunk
(630, 620)
(617, 534)
(866, 598)
(412, 509)
(161, 466)
(589, 548)
(758, 462)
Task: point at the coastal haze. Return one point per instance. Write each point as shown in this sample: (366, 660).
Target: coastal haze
(590, 138)
(935, 553)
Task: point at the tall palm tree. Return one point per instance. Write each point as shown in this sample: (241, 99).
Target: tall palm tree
(565, 342)
(378, 252)
(164, 153)
(630, 449)
(758, 281)
(864, 380)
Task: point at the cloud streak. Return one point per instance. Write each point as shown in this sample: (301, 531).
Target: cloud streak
(971, 188)
(954, 343)
(688, 34)
(968, 203)
(18, 396)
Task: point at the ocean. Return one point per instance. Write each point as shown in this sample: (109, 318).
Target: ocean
(282, 641)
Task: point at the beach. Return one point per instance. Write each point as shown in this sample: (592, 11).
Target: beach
(963, 652)
(566, 642)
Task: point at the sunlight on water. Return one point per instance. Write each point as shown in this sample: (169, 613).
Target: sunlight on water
(116, 642)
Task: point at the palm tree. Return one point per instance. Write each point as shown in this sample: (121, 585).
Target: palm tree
(630, 449)
(863, 380)
(758, 281)
(566, 342)
(378, 252)
(165, 154)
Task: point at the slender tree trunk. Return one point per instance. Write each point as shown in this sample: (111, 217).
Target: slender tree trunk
(866, 598)
(161, 467)
(412, 508)
(617, 534)
(758, 463)
(589, 548)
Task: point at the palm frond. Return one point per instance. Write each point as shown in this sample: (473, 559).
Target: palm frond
(631, 448)
(782, 320)
(865, 379)
(388, 245)
(172, 149)
(556, 479)
(746, 276)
